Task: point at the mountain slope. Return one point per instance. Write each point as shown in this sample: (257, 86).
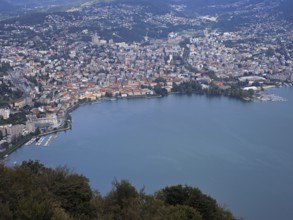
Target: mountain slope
(32, 191)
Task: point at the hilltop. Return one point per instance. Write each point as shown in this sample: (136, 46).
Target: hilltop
(32, 191)
(191, 7)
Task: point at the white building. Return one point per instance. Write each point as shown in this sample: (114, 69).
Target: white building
(15, 130)
(4, 113)
(51, 121)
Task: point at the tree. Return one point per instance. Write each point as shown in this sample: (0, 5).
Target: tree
(193, 197)
(160, 91)
(161, 80)
(5, 211)
(38, 131)
(120, 203)
(34, 167)
(180, 212)
(74, 192)
(109, 94)
(187, 87)
(35, 206)
(31, 192)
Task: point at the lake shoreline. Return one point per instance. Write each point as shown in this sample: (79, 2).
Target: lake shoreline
(225, 147)
(261, 97)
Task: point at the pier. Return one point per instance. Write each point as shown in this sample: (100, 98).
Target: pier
(50, 139)
(30, 141)
(40, 141)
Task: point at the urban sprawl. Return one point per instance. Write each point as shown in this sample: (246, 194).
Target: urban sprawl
(83, 56)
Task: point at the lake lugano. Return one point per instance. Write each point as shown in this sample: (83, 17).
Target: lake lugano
(239, 153)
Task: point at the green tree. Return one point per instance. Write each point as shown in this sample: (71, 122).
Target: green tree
(74, 193)
(38, 131)
(35, 206)
(5, 211)
(161, 80)
(121, 202)
(193, 197)
(160, 91)
(109, 94)
(180, 212)
(35, 167)
(31, 192)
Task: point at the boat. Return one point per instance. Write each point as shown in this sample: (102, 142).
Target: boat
(96, 102)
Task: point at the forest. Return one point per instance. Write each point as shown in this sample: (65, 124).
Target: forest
(32, 191)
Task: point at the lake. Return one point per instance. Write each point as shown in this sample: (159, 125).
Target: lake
(239, 153)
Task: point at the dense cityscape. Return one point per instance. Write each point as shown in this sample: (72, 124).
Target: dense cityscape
(53, 62)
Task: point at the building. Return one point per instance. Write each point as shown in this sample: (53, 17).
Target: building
(20, 103)
(15, 130)
(4, 113)
(51, 121)
(3, 130)
(30, 127)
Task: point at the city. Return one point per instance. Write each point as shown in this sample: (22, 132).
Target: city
(55, 62)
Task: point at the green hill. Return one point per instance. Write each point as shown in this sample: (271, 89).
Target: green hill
(32, 191)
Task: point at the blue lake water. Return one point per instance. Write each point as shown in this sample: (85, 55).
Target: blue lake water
(239, 153)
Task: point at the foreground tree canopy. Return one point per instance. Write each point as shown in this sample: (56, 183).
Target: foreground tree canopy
(33, 192)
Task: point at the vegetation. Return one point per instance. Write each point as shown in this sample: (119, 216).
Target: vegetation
(160, 80)
(212, 90)
(4, 68)
(14, 119)
(160, 91)
(187, 88)
(32, 191)
(7, 94)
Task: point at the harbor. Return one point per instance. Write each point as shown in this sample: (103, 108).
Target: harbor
(41, 141)
(50, 139)
(30, 141)
(270, 98)
(213, 134)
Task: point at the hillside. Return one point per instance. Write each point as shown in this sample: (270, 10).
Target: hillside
(32, 191)
(193, 7)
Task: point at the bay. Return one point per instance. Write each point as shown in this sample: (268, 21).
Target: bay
(239, 153)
